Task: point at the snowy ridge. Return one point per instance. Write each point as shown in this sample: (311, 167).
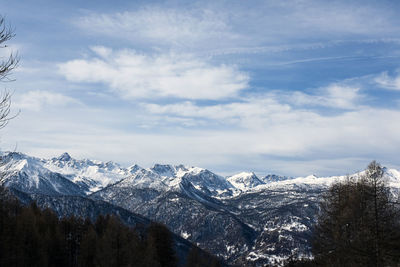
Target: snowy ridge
(391, 176)
(92, 175)
(274, 178)
(84, 175)
(172, 178)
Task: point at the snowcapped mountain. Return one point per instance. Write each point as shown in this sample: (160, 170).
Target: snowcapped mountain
(245, 219)
(29, 175)
(274, 178)
(63, 175)
(90, 174)
(176, 178)
(245, 180)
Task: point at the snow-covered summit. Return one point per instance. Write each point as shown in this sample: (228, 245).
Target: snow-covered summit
(390, 176)
(64, 157)
(87, 175)
(92, 175)
(274, 178)
(29, 174)
(168, 177)
(245, 180)
(168, 170)
(207, 181)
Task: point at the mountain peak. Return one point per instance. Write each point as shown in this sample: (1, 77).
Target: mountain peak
(245, 180)
(133, 168)
(275, 178)
(64, 157)
(163, 169)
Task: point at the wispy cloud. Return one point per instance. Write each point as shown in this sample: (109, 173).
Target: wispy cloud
(264, 110)
(36, 100)
(134, 75)
(235, 27)
(341, 17)
(389, 82)
(251, 113)
(334, 96)
(161, 26)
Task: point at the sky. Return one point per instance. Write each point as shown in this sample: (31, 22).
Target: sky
(285, 87)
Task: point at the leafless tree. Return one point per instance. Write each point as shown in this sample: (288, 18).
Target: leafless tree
(7, 64)
(359, 224)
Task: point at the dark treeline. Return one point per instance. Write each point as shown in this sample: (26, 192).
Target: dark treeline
(358, 224)
(30, 236)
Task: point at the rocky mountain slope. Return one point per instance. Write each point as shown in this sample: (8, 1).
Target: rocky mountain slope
(244, 218)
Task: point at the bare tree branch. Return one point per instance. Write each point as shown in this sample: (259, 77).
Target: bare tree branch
(6, 67)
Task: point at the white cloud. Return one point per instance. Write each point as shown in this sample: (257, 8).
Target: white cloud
(252, 113)
(36, 100)
(334, 95)
(103, 52)
(261, 111)
(386, 81)
(354, 137)
(280, 131)
(134, 75)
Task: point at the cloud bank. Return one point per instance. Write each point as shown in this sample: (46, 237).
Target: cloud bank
(134, 75)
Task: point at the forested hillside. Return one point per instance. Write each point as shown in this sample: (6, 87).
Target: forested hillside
(30, 236)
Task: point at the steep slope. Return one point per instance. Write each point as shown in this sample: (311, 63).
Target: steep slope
(281, 217)
(182, 199)
(28, 175)
(65, 206)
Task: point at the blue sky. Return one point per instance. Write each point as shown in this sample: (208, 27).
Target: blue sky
(286, 87)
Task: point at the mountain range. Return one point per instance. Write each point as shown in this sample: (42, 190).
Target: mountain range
(243, 218)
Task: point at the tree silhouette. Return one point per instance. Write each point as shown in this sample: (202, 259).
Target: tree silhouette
(359, 223)
(160, 245)
(6, 66)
